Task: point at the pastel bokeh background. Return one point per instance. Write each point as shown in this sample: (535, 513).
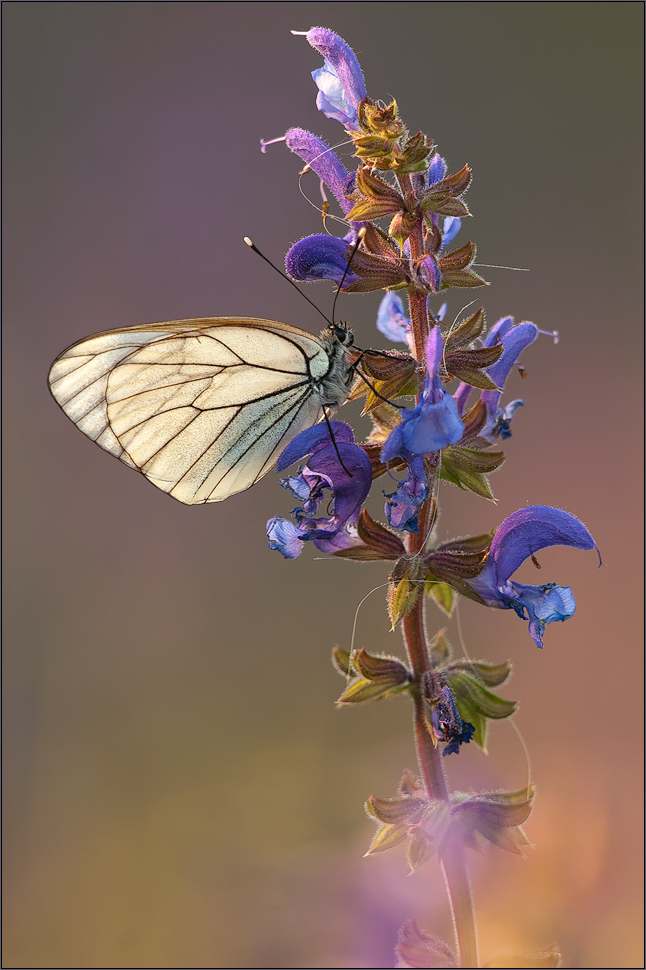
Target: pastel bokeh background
(180, 790)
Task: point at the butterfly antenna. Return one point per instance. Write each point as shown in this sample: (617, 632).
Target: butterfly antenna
(252, 245)
(360, 236)
(336, 447)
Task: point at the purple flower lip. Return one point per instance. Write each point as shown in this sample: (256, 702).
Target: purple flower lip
(325, 162)
(320, 257)
(515, 339)
(340, 466)
(521, 535)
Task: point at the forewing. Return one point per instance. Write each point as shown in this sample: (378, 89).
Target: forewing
(202, 408)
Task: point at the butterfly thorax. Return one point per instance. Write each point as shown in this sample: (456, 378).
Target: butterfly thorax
(335, 384)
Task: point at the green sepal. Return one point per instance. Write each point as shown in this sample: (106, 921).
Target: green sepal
(468, 365)
(494, 816)
(372, 209)
(402, 597)
(443, 204)
(387, 837)
(368, 690)
(392, 811)
(440, 649)
(381, 669)
(525, 958)
(341, 661)
(490, 674)
(417, 948)
(465, 468)
(468, 331)
(479, 697)
(462, 277)
(420, 847)
(405, 582)
(443, 595)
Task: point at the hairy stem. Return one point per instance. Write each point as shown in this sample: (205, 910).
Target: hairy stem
(415, 638)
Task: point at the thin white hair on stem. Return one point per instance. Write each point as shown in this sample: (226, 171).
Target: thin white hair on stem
(510, 719)
(308, 168)
(516, 269)
(436, 510)
(354, 624)
(452, 327)
(520, 737)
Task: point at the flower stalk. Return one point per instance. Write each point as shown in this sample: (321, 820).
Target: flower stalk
(417, 648)
(400, 177)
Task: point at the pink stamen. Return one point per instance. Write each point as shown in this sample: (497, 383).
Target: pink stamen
(264, 144)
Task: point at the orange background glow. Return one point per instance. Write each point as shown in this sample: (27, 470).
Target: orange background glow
(180, 790)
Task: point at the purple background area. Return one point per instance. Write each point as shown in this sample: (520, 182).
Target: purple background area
(179, 788)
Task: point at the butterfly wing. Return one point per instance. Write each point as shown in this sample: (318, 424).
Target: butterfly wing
(202, 408)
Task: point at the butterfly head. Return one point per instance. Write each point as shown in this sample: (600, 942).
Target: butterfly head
(342, 333)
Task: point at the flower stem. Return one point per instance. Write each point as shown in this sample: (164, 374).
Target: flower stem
(435, 783)
(415, 638)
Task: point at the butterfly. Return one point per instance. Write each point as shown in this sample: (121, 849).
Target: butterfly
(202, 408)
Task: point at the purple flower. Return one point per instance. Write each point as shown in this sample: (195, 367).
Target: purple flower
(403, 504)
(514, 339)
(320, 257)
(450, 229)
(340, 466)
(325, 162)
(392, 320)
(429, 273)
(521, 535)
(431, 426)
(340, 81)
(444, 721)
(435, 422)
(436, 170)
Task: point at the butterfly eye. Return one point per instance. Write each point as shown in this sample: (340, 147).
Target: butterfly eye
(344, 336)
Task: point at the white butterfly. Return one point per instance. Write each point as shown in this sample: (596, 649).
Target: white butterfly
(202, 408)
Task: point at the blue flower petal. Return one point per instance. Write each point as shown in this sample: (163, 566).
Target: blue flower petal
(312, 439)
(451, 227)
(403, 505)
(544, 604)
(436, 170)
(284, 537)
(528, 531)
(433, 426)
(391, 318)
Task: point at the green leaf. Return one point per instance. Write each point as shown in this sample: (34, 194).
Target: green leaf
(443, 595)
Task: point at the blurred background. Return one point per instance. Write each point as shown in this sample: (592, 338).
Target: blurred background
(180, 790)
